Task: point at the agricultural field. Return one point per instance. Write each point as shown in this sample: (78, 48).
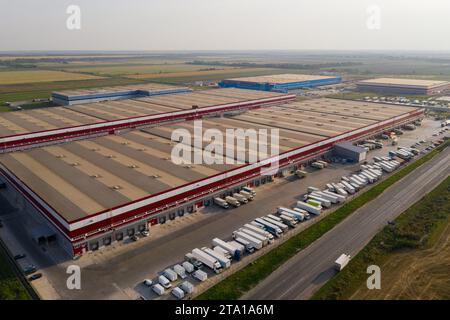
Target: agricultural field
(146, 69)
(33, 76)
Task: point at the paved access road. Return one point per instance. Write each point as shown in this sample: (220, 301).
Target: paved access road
(305, 273)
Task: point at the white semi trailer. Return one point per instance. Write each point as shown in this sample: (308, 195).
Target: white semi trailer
(256, 243)
(260, 230)
(226, 246)
(273, 229)
(309, 208)
(207, 260)
(224, 261)
(323, 202)
(279, 224)
(263, 239)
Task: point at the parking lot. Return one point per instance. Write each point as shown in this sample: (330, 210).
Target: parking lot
(118, 271)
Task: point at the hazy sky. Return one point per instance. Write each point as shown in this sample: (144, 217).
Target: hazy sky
(226, 24)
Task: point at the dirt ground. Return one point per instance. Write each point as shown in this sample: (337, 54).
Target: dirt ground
(415, 275)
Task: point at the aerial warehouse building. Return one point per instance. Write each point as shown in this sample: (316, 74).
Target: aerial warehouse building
(403, 86)
(78, 96)
(93, 192)
(280, 82)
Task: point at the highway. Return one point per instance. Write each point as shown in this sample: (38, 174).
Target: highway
(305, 273)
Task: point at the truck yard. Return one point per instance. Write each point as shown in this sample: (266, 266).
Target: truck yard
(178, 237)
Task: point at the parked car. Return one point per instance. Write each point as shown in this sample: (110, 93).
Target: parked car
(134, 238)
(35, 276)
(19, 256)
(145, 233)
(29, 269)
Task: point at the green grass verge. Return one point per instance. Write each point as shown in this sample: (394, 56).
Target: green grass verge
(10, 286)
(418, 227)
(243, 280)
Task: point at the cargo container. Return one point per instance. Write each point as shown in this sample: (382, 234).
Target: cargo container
(341, 262)
(189, 267)
(200, 275)
(309, 208)
(221, 202)
(224, 261)
(178, 293)
(180, 271)
(164, 282)
(187, 287)
(207, 260)
(158, 289)
(170, 274)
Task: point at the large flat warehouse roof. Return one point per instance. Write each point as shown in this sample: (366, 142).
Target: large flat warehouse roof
(81, 178)
(114, 89)
(281, 78)
(426, 84)
(27, 121)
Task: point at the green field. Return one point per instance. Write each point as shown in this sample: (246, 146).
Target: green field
(10, 286)
(414, 230)
(243, 280)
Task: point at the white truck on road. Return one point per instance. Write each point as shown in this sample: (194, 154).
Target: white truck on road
(341, 262)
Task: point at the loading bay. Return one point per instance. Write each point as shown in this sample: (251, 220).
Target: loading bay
(117, 271)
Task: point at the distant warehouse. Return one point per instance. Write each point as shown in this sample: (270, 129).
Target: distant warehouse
(280, 82)
(78, 96)
(403, 86)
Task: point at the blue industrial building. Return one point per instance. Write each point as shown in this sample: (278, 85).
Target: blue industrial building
(79, 96)
(280, 82)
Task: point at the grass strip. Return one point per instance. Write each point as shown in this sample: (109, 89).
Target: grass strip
(11, 288)
(416, 228)
(248, 277)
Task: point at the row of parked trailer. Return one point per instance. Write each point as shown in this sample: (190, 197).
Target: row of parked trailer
(242, 197)
(263, 231)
